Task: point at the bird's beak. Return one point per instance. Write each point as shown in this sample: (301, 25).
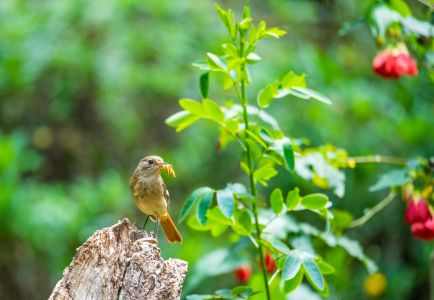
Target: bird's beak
(163, 165)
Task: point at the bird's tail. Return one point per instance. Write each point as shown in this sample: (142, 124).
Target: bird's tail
(170, 229)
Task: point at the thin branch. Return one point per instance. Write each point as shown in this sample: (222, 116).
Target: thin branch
(427, 3)
(273, 277)
(378, 159)
(373, 211)
(271, 220)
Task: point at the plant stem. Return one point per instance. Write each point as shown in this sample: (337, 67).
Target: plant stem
(370, 213)
(431, 275)
(379, 159)
(244, 102)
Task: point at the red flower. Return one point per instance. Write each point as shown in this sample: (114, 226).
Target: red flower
(242, 274)
(394, 63)
(423, 230)
(417, 211)
(419, 217)
(269, 263)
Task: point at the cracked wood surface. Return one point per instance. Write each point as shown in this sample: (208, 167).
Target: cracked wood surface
(121, 262)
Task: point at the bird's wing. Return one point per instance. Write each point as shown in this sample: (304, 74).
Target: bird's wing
(133, 181)
(165, 193)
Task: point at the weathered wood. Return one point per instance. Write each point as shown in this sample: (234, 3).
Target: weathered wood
(121, 262)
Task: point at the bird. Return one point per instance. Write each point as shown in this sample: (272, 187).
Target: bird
(151, 195)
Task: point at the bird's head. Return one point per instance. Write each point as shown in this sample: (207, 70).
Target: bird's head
(151, 165)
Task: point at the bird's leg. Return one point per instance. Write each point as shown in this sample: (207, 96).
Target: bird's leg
(144, 225)
(158, 223)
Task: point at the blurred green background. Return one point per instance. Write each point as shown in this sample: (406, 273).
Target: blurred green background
(85, 87)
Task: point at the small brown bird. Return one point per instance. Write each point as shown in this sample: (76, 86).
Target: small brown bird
(151, 196)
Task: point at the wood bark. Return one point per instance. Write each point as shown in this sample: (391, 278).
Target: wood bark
(121, 262)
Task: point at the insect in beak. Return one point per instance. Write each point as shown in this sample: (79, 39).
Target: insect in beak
(168, 168)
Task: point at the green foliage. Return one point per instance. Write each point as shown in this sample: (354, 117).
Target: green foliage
(265, 149)
(276, 201)
(84, 87)
(291, 267)
(392, 179)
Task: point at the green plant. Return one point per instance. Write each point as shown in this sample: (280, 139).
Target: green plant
(266, 152)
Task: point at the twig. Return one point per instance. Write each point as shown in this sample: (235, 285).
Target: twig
(427, 3)
(378, 159)
(370, 213)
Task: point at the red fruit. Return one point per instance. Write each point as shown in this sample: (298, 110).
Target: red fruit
(394, 62)
(417, 211)
(269, 263)
(243, 273)
(423, 230)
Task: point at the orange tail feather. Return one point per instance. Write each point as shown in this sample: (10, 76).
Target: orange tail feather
(170, 229)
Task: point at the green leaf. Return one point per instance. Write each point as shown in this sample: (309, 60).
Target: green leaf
(264, 173)
(418, 27)
(313, 94)
(194, 224)
(288, 154)
(181, 120)
(279, 246)
(204, 204)
(341, 219)
(391, 179)
(201, 65)
(236, 188)
(265, 135)
(242, 290)
(285, 92)
(246, 10)
(313, 273)
(230, 49)
(191, 200)
(401, 7)
(245, 23)
(256, 138)
(314, 201)
(252, 58)
(293, 199)
(291, 267)
(292, 284)
(291, 80)
(213, 110)
(193, 106)
(245, 220)
(266, 95)
(216, 62)
(199, 297)
(227, 18)
(225, 202)
(325, 267)
(218, 229)
(355, 250)
(204, 84)
(276, 200)
(274, 32)
(216, 215)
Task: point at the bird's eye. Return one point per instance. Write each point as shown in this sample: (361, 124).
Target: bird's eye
(150, 162)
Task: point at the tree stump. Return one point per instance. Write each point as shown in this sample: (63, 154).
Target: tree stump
(121, 262)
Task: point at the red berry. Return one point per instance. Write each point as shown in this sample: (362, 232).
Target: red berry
(269, 263)
(243, 273)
